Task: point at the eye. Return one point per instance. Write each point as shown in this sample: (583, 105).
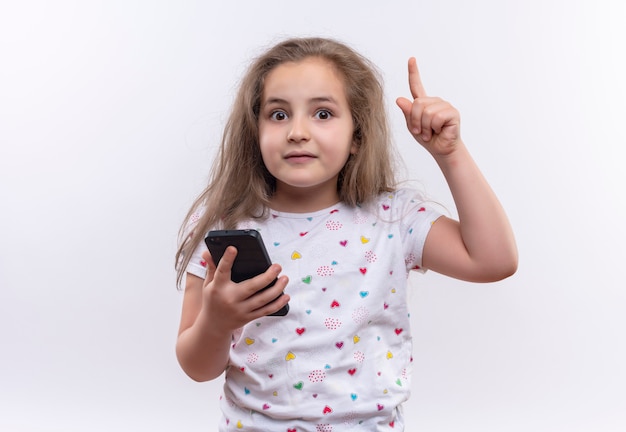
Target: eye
(278, 115)
(323, 114)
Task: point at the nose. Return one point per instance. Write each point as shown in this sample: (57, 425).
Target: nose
(299, 130)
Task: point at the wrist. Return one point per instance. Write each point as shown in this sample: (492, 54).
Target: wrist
(211, 326)
(457, 156)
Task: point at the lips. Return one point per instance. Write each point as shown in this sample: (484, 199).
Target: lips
(299, 157)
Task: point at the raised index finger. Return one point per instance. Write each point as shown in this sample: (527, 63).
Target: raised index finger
(415, 81)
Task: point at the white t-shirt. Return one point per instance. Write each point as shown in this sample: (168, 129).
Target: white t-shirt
(341, 358)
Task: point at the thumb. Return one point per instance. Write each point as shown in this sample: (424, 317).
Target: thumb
(405, 105)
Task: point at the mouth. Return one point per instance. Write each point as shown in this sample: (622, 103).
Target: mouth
(299, 157)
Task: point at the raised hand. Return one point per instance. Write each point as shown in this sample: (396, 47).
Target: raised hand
(433, 122)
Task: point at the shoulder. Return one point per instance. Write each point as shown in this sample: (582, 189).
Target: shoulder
(398, 203)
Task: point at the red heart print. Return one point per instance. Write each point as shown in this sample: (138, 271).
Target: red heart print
(339, 345)
(352, 371)
(398, 331)
(334, 304)
(327, 410)
(363, 270)
(302, 234)
(380, 407)
(300, 330)
(343, 243)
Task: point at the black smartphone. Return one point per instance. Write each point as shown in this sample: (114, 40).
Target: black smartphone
(252, 257)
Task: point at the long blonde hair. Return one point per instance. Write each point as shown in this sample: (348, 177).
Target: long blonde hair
(240, 186)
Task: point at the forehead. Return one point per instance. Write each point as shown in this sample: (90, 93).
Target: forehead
(310, 78)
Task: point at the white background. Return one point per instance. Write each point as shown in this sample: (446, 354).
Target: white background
(109, 115)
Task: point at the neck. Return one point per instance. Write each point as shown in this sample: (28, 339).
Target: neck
(303, 200)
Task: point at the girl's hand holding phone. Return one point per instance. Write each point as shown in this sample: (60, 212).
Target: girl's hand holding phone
(231, 305)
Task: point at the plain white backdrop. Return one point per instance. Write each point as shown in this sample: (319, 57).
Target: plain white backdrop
(110, 112)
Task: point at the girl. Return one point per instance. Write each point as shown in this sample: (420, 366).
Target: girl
(306, 160)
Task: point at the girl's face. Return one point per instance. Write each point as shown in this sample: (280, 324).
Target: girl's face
(305, 133)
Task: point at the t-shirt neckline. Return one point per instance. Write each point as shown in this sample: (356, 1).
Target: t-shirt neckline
(309, 215)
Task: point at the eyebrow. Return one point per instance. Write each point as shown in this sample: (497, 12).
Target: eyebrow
(319, 99)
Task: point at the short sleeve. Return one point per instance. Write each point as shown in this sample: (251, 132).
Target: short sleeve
(196, 266)
(416, 216)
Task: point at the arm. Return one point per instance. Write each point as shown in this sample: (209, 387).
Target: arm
(214, 307)
(480, 247)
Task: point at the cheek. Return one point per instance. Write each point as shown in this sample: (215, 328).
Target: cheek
(265, 145)
(268, 151)
(263, 141)
(264, 153)
(349, 145)
(267, 132)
